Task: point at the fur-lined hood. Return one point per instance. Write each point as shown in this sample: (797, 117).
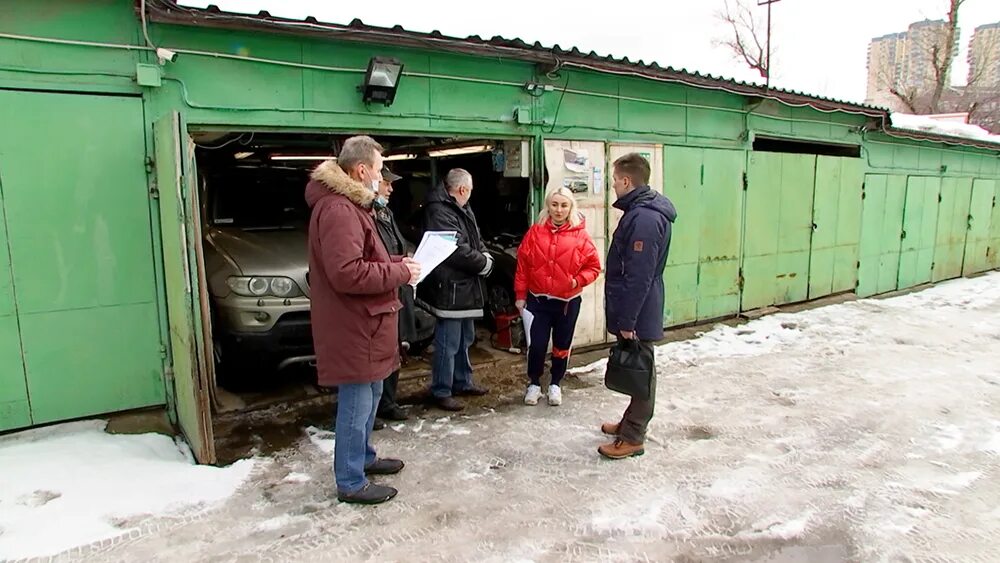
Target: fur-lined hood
(329, 178)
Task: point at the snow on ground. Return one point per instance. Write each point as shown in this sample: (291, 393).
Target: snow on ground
(951, 128)
(73, 484)
(867, 431)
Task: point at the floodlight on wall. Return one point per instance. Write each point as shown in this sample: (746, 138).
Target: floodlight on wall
(381, 80)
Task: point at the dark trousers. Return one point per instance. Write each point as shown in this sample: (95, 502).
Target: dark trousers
(555, 319)
(634, 422)
(388, 400)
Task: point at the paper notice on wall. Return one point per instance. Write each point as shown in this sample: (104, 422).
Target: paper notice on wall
(576, 160)
(598, 181)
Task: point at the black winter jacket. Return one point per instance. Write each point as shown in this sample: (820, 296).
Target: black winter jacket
(394, 242)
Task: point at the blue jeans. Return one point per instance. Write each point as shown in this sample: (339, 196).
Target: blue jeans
(452, 369)
(353, 451)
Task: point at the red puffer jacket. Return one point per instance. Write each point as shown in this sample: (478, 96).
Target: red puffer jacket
(551, 257)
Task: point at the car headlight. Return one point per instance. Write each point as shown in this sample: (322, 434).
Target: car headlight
(263, 286)
(282, 287)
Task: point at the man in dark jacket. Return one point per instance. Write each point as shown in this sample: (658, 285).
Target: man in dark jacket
(454, 290)
(633, 289)
(354, 285)
(390, 234)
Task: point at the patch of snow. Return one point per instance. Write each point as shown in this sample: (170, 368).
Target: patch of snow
(775, 528)
(297, 478)
(948, 437)
(953, 129)
(459, 432)
(74, 484)
(631, 518)
(322, 439)
(276, 523)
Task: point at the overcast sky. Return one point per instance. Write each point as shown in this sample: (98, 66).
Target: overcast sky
(820, 45)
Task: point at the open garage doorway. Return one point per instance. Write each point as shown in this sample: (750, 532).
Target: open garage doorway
(254, 223)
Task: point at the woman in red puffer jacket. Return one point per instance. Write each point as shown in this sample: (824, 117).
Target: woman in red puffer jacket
(555, 261)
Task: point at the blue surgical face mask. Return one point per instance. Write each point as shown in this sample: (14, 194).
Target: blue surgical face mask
(380, 202)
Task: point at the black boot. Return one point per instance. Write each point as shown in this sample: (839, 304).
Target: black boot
(369, 494)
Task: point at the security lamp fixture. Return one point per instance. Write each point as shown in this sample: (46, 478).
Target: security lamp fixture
(381, 80)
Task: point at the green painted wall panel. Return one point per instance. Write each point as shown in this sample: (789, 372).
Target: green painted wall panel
(977, 247)
(14, 409)
(78, 228)
(680, 282)
(76, 202)
(952, 226)
(92, 361)
(919, 226)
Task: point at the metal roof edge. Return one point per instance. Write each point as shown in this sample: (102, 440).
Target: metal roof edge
(167, 11)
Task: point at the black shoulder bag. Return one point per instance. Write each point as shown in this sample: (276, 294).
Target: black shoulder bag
(630, 368)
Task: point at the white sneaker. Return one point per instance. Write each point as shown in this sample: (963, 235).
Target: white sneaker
(555, 395)
(534, 393)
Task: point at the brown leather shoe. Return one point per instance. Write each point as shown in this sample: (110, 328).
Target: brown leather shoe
(610, 428)
(620, 449)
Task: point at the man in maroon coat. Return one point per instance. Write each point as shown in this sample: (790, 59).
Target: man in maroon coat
(354, 286)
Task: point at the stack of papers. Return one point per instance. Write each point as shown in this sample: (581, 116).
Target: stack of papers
(434, 248)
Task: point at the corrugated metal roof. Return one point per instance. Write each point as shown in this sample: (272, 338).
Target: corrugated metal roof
(167, 11)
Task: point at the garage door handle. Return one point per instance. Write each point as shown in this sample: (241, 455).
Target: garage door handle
(814, 226)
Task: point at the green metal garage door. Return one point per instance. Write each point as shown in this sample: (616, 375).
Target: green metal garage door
(79, 329)
(952, 228)
(777, 229)
(881, 233)
(920, 214)
(980, 251)
(833, 263)
(703, 271)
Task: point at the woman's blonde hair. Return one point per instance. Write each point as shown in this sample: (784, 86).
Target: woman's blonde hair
(574, 214)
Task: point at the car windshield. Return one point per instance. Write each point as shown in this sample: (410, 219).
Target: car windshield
(259, 199)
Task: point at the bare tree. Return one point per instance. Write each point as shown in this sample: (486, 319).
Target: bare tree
(942, 56)
(747, 37)
(941, 51)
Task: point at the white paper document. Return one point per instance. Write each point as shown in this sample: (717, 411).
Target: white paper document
(526, 318)
(434, 248)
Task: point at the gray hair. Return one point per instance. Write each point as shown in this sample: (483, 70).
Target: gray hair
(358, 150)
(458, 177)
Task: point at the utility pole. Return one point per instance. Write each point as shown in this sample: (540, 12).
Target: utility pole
(767, 79)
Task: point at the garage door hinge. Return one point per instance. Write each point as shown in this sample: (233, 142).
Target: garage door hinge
(746, 182)
(154, 190)
(741, 280)
(939, 198)
(163, 351)
(150, 165)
